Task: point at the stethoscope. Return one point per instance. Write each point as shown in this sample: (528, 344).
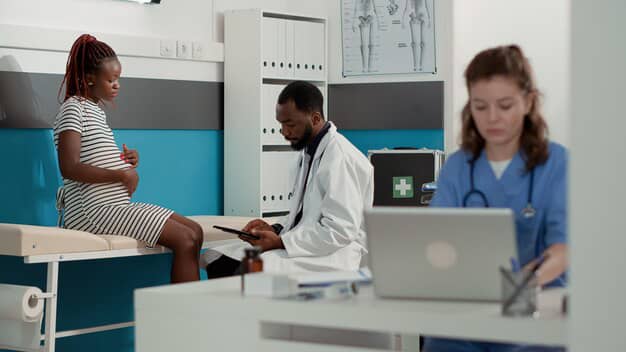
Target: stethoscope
(528, 212)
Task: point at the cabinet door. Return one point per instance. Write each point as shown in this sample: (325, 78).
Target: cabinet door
(270, 128)
(281, 61)
(302, 49)
(318, 40)
(309, 50)
(278, 179)
(270, 46)
(267, 111)
(289, 48)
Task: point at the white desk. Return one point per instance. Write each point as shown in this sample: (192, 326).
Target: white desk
(212, 315)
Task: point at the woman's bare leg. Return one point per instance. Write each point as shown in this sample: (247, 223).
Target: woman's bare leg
(185, 243)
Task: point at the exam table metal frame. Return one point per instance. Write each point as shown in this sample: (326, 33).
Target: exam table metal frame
(52, 289)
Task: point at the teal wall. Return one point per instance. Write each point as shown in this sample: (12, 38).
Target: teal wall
(181, 170)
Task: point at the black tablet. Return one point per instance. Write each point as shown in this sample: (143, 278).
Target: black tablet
(238, 232)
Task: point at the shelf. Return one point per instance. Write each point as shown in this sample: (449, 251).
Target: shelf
(277, 148)
(289, 16)
(274, 213)
(284, 81)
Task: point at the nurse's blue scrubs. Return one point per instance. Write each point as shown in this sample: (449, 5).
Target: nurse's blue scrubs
(533, 235)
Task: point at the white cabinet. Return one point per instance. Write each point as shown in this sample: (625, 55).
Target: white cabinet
(263, 52)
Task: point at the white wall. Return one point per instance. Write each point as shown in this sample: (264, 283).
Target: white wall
(171, 19)
(541, 28)
(193, 20)
(598, 189)
(221, 5)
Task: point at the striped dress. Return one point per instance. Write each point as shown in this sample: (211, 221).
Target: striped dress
(102, 208)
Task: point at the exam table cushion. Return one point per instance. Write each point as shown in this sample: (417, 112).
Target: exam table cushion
(26, 240)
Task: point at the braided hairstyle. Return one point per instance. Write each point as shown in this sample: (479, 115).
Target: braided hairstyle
(86, 57)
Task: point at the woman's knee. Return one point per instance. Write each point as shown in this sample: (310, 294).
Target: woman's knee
(185, 241)
(198, 233)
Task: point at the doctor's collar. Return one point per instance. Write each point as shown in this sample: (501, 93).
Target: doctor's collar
(312, 147)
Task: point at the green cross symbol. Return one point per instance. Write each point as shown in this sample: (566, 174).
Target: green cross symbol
(403, 187)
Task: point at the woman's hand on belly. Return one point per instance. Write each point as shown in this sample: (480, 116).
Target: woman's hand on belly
(130, 179)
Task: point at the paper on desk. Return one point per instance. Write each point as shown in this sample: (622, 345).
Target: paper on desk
(364, 275)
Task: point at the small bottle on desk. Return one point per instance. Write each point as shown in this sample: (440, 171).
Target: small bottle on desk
(251, 263)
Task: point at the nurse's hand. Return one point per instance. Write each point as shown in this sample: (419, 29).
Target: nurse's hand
(257, 224)
(554, 266)
(268, 240)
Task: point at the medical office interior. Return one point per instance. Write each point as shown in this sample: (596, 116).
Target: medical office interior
(200, 87)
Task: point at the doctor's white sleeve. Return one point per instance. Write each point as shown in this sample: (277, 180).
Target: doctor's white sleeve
(341, 211)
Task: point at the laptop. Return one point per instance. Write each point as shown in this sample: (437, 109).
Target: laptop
(439, 253)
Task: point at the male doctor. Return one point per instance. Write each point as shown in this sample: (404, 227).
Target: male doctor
(324, 229)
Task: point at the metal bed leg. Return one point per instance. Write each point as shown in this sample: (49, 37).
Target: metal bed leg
(51, 307)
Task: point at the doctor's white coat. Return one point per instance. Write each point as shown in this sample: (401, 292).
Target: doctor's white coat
(331, 233)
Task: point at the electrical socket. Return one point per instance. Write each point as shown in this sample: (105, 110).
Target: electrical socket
(198, 50)
(183, 49)
(168, 48)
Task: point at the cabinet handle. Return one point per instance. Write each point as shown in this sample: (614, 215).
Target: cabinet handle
(265, 130)
(264, 63)
(264, 198)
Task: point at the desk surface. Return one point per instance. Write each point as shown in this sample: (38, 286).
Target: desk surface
(481, 321)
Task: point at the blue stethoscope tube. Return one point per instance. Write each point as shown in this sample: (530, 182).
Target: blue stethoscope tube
(528, 211)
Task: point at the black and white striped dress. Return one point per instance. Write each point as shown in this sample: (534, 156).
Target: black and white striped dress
(102, 208)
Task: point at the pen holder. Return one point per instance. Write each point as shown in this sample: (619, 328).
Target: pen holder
(519, 293)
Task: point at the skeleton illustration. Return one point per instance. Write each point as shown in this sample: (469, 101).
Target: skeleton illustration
(392, 7)
(419, 13)
(364, 16)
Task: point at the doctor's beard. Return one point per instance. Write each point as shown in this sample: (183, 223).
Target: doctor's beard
(304, 140)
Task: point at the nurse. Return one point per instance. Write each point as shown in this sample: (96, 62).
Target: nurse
(506, 161)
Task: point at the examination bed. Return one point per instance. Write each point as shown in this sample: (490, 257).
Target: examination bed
(52, 245)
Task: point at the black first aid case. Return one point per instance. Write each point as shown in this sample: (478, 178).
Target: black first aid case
(405, 177)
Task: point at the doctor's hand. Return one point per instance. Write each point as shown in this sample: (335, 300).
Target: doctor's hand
(257, 224)
(269, 240)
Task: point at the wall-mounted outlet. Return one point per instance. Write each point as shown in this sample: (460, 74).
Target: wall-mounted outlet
(198, 50)
(183, 49)
(168, 48)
